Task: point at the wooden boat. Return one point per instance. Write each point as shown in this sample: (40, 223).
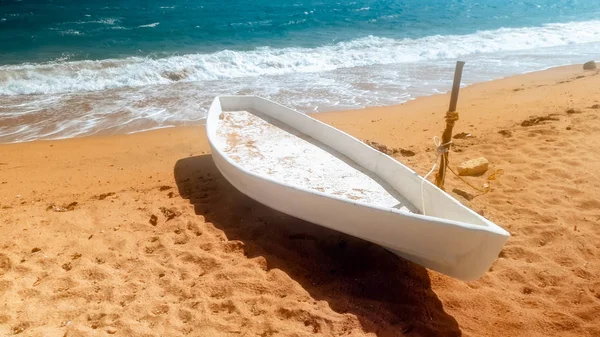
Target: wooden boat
(305, 168)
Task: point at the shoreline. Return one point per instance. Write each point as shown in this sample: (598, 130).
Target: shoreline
(138, 234)
(118, 111)
(538, 74)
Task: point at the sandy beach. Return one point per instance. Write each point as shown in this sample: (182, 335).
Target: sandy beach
(139, 235)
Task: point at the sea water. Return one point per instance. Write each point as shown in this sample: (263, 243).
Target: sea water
(75, 68)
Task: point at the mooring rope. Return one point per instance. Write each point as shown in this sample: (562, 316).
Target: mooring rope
(440, 149)
(451, 117)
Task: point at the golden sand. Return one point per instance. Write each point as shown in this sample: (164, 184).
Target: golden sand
(139, 235)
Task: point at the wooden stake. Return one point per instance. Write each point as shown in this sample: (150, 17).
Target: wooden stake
(456, 85)
(451, 117)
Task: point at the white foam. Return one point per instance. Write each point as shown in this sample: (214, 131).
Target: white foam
(108, 21)
(71, 32)
(123, 110)
(75, 76)
(151, 25)
(294, 22)
(134, 71)
(104, 21)
(77, 98)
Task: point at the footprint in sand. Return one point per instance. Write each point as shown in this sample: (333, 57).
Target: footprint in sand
(226, 306)
(181, 236)
(194, 228)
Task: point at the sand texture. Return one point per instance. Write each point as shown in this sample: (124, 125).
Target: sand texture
(139, 235)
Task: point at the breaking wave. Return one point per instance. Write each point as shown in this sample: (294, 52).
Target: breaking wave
(80, 76)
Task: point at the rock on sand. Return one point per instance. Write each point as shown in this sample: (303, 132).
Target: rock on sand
(473, 167)
(591, 65)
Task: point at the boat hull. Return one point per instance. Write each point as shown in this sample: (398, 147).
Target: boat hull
(457, 249)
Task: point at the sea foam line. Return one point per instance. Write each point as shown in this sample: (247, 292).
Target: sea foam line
(77, 76)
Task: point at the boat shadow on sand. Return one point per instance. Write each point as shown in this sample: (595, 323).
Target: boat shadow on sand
(389, 295)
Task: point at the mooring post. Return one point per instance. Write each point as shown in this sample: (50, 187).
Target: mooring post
(456, 85)
(451, 117)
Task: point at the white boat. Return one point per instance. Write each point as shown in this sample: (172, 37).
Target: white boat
(300, 166)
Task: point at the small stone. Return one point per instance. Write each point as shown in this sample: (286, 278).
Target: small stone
(35, 250)
(468, 196)
(568, 128)
(474, 167)
(380, 147)
(111, 330)
(407, 153)
(104, 195)
(462, 135)
(153, 220)
(591, 65)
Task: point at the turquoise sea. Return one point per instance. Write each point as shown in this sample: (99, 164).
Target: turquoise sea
(78, 68)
